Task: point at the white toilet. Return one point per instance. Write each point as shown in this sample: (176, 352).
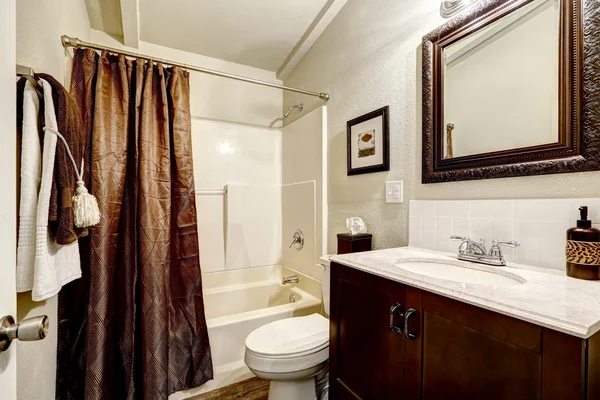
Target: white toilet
(291, 352)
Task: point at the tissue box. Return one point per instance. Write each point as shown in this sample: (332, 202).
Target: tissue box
(348, 243)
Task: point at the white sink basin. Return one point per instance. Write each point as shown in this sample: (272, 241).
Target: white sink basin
(457, 273)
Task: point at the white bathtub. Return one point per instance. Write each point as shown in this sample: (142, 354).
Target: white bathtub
(239, 301)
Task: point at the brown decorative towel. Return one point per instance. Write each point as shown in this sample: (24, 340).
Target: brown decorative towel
(20, 90)
(65, 179)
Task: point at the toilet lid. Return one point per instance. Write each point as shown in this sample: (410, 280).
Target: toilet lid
(290, 336)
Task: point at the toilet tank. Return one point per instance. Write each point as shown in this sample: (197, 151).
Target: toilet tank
(325, 281)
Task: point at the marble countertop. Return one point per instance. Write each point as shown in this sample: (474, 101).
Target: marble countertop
(546, 297)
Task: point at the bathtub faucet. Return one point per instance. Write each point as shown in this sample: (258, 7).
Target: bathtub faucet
(290, 279)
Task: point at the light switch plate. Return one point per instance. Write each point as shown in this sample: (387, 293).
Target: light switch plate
(394, 192)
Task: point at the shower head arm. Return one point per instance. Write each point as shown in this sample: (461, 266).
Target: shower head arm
(300, 107)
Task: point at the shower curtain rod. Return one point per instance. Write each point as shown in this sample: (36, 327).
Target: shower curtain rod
(76, 42)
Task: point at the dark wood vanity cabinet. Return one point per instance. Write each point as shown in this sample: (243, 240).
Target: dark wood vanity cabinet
(392, 341)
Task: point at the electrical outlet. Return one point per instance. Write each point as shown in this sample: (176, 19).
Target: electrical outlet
(393, 192)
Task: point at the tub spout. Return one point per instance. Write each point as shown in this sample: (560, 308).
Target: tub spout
(290, 279)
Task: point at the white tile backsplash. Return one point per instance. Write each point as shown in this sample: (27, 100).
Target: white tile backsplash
(543, 210)
(454, 208)
(539, 225)
(481, 229)
(527, 234)
(503, 228)
(493, 209)
(428, 232)
(422, 208)
(461, 226)
(414, 231)
(444, 231)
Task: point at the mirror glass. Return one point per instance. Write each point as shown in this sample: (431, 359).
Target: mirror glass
(501, 83)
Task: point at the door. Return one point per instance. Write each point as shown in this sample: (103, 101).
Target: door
(8, 183)
(367, 346)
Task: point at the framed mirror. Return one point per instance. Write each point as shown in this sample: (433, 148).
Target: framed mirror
(509, 89)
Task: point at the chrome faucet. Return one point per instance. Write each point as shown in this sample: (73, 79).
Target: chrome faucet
(290, 279)
(469, 250)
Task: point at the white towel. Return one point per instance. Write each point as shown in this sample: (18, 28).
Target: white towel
(54, 265)
(31, 175)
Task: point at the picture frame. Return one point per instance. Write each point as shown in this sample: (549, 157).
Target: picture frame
(368, 142)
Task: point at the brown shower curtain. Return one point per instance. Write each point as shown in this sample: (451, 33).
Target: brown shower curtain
(134, 326)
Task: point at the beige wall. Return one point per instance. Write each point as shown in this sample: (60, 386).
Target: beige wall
(370, 57)
(40, 25)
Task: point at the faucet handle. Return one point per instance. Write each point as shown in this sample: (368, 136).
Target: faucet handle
(512, 243)
(463, 238)
(298, 240)
(496, 251)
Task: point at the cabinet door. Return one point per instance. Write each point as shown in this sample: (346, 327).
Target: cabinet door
(471, 353)
(367, 360)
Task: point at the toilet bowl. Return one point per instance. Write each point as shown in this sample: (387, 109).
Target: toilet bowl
(289, 353)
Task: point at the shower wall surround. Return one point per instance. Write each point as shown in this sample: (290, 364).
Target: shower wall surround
(304, 192)
(539, 225)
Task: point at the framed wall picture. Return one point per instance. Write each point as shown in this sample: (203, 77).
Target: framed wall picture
(368, 142)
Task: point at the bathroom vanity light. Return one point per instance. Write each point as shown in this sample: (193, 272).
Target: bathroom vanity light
(450, 8)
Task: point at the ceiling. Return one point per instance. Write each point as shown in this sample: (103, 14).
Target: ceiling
(258, 33)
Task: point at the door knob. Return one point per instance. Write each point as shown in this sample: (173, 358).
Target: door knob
(35, 328)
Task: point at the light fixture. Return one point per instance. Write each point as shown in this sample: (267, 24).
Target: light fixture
(450, 8)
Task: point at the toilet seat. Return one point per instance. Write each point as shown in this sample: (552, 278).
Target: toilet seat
(308, 352)
(290, 337)
(289, 345)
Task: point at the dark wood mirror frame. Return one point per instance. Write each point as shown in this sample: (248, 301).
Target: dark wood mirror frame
(578, 145)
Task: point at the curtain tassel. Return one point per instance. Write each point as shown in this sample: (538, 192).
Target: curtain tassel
(85, 205)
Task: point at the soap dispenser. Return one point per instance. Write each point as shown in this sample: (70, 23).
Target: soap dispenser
(583, 249)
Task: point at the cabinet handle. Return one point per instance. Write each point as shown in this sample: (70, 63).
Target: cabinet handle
(393, 326)
(407, 334)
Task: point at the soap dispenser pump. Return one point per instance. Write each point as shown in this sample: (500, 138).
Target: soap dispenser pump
(583, 249)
